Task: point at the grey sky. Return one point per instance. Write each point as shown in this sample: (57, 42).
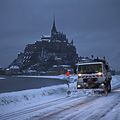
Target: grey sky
(94, 25)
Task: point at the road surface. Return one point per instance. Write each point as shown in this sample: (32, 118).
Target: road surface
(76, 107)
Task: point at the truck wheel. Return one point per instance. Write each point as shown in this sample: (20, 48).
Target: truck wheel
(106, 89)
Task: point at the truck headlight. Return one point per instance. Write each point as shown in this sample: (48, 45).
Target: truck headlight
(99, 74)
(78, 86)
(79, 75)
(102, 85)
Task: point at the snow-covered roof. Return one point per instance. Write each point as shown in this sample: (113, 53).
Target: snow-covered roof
(89, 63)
(31, 71)
(55, 66)
(46, 36)
(61, 65)
(14, 67)
(65, 65)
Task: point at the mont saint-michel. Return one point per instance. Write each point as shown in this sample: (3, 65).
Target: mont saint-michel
(49, 51)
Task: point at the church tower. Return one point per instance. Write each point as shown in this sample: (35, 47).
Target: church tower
(57, 36)
(53, 30)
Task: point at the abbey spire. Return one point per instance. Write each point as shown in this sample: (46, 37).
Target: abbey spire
(53, 30)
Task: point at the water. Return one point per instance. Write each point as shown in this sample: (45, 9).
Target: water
(14, 83)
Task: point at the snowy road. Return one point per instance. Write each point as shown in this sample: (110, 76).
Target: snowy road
(76, 107)
(87, 109)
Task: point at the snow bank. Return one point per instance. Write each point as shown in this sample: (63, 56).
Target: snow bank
(56, 77)
(17, 100)
(1, 78)
(31, 76)
(115, 81)
(25, 97)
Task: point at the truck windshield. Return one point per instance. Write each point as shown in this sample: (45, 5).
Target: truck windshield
(90, 68)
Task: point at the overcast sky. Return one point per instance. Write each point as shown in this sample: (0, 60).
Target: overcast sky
(94, 25)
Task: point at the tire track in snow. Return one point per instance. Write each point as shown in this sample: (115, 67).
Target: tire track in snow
(61, 110)
(30, 109)
(38, 107)
(96, 113)
(101, 114)
(80, 110)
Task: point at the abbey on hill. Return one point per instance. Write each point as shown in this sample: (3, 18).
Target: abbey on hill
(49, 51)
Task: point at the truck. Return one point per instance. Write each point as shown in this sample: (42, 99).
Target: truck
(94, 75)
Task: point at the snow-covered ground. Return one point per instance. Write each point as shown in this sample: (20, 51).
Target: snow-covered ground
(1, 78)
(63, 76)
(52, 103)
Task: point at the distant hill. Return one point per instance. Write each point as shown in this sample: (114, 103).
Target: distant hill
(50, 50)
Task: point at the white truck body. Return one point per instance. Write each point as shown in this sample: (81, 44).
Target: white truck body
(93, 75)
